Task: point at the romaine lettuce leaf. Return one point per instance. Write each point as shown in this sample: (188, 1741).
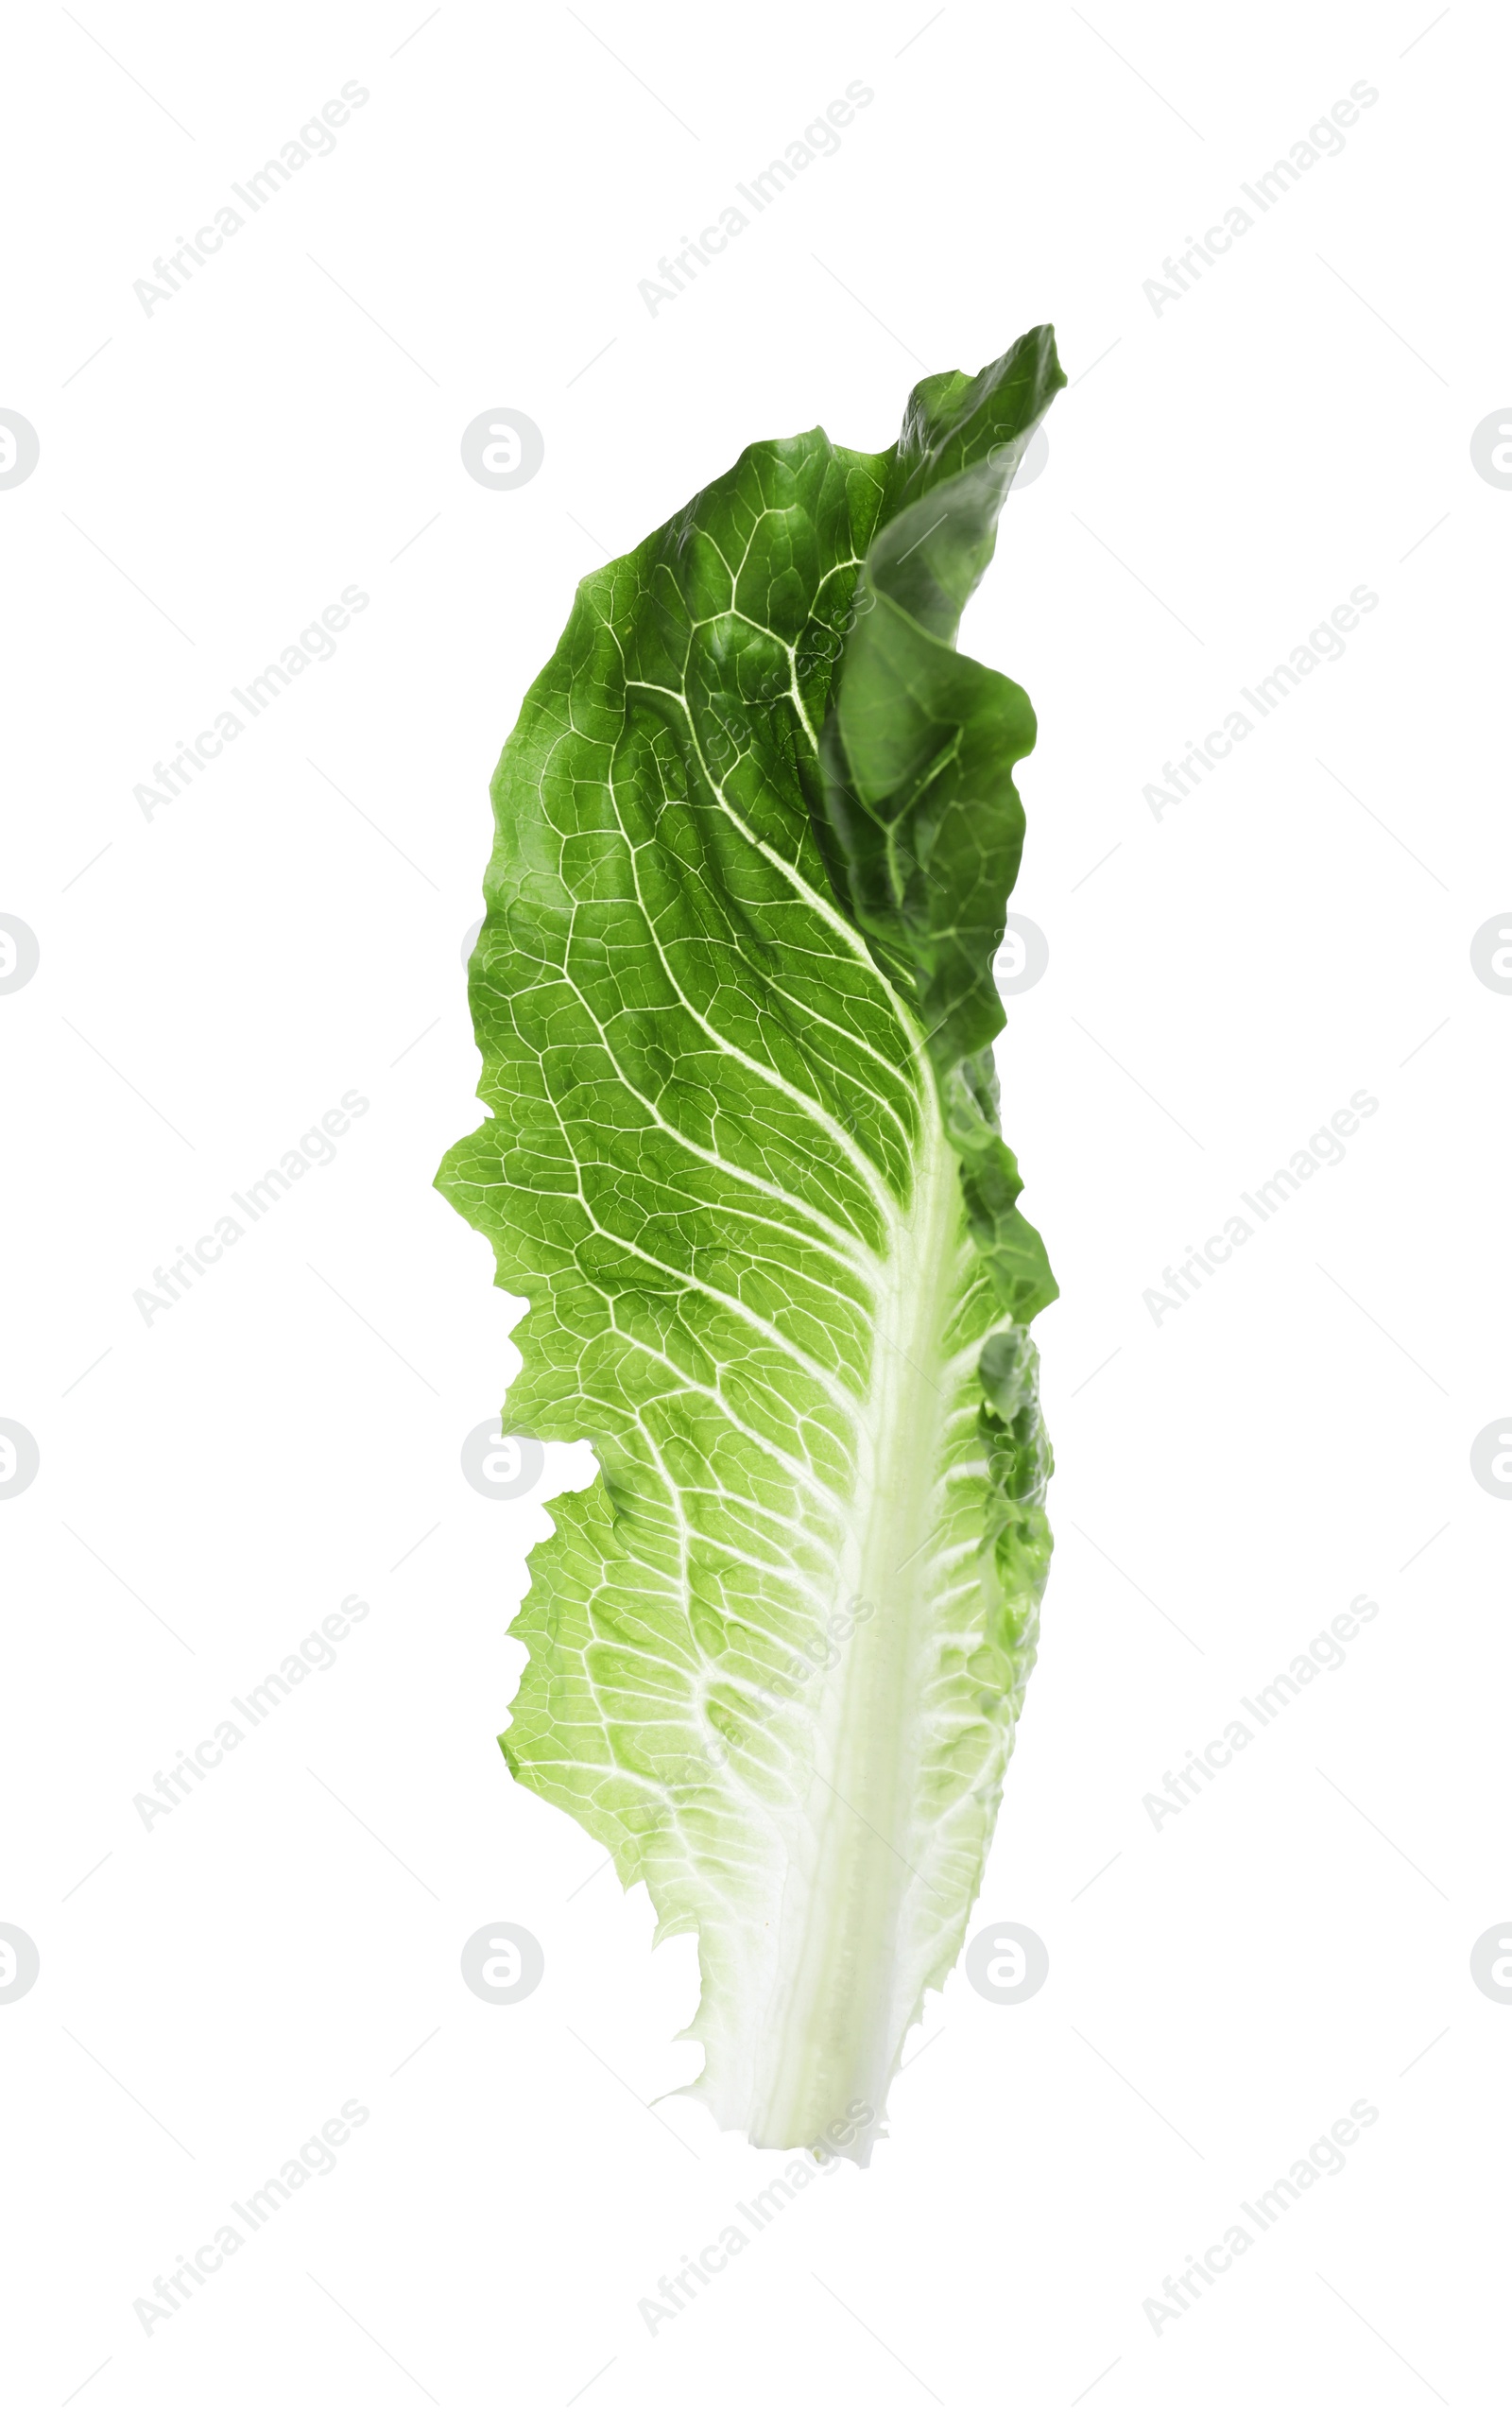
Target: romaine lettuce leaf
(756, 829)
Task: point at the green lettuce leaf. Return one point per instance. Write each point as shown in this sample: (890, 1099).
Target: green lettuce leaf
(756, 829)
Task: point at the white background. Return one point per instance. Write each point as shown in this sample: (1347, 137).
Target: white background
(1221, 474)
